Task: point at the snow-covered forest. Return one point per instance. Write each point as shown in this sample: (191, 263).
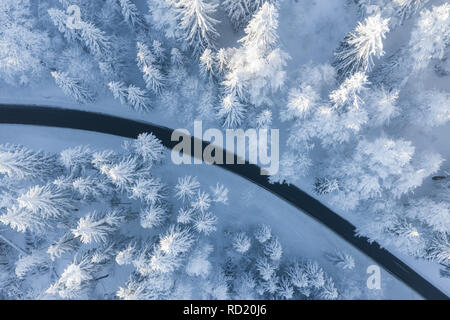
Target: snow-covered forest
(359, 89)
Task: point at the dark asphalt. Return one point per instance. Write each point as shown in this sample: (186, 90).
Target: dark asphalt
(90, 121)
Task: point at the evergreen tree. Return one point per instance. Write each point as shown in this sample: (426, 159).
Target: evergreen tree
(46, 201)
(131, 14)
(96, 227)
(356, 52)
(119, 91)
(341, 260)
(149, 190)
(241, 242)
(430, 37)
(263, 233)
(231, 111)
(94, 39)
(176, 241)
(19, 162)
(433, 108)
(154, 79)
(77, 160)
(138, 99)
(59, 19)
(186, 187)
(72, 87)
(153, 216)
(197, 24)
(23, 45)
(207, 63)
(256, 69)
(76, 278)
(205, 222)
(147, 147)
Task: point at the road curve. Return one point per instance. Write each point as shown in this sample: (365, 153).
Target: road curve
(97, 122)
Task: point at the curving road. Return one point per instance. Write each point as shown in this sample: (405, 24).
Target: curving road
(90, 121)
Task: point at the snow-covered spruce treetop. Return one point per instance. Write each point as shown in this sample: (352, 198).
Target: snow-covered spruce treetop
(430, 37)
(241, 11)
(356, 52)
(23, 45)
(197, 24)
(397, 11)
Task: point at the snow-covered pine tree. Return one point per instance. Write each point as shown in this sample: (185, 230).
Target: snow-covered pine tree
(205, 222)
(127, 255)
(63, 245)
(430, 37)
(201, 202)
(219, 193)
(300, 102)
(97, 226)
(119, 91)
(273, 249)
(76, 278)
(325, 185)
(31, 263)
(77, 160)
(207, 64)
(185, 215)
(285, 288)
(231, 111)
(222, 60)
(60, 19)
(125, 172)
(18, 162)
(153, 216)
(356, 52)
(380, 166)
(265, 268)
(238, 11)
(186, 188)
(433, 107)
(328, 290)
(46, 202)
(406, 8)
(435, 214)
(97, 42)
(197, 24)
(255, 70)
(138, 99)
(150, 191)
(241, 242)
(241, 11)
(439, 248)
(176, 240)
(162, 262)
(23, 220)
(146, 147)
(73, 87)
(176, 57)
(263, 233)
(147, 63)
(164, 17)
(382, 106)
(198, 263)
(341, 259)
(23, 45)
(131, 14)
(159, 51)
